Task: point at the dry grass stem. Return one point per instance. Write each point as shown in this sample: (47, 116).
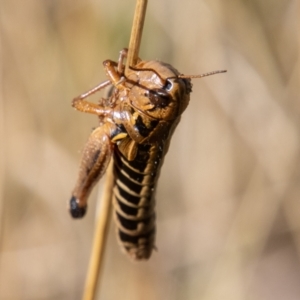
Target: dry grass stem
(101, 231)
(103, 218)
(2, 157)
(136, 33)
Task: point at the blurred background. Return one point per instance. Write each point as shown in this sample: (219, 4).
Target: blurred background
(228, 209)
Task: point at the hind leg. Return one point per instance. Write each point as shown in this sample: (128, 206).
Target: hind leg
(95, 158)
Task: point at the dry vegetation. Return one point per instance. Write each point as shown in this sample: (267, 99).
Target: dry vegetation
(228, 204)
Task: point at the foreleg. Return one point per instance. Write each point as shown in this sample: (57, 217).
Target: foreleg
(82, 105)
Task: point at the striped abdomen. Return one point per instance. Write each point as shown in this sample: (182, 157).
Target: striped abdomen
(134, 202)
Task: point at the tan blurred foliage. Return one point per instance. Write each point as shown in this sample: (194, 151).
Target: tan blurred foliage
(228, 198)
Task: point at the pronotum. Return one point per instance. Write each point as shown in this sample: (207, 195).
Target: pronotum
(136, 124)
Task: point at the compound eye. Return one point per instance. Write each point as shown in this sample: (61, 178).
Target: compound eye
(168, 86)
(159, 97)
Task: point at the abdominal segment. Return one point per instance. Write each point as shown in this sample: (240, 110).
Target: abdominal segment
(133, 199)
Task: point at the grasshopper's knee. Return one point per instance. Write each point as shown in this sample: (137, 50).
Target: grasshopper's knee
(75, 210)
(75, 102)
